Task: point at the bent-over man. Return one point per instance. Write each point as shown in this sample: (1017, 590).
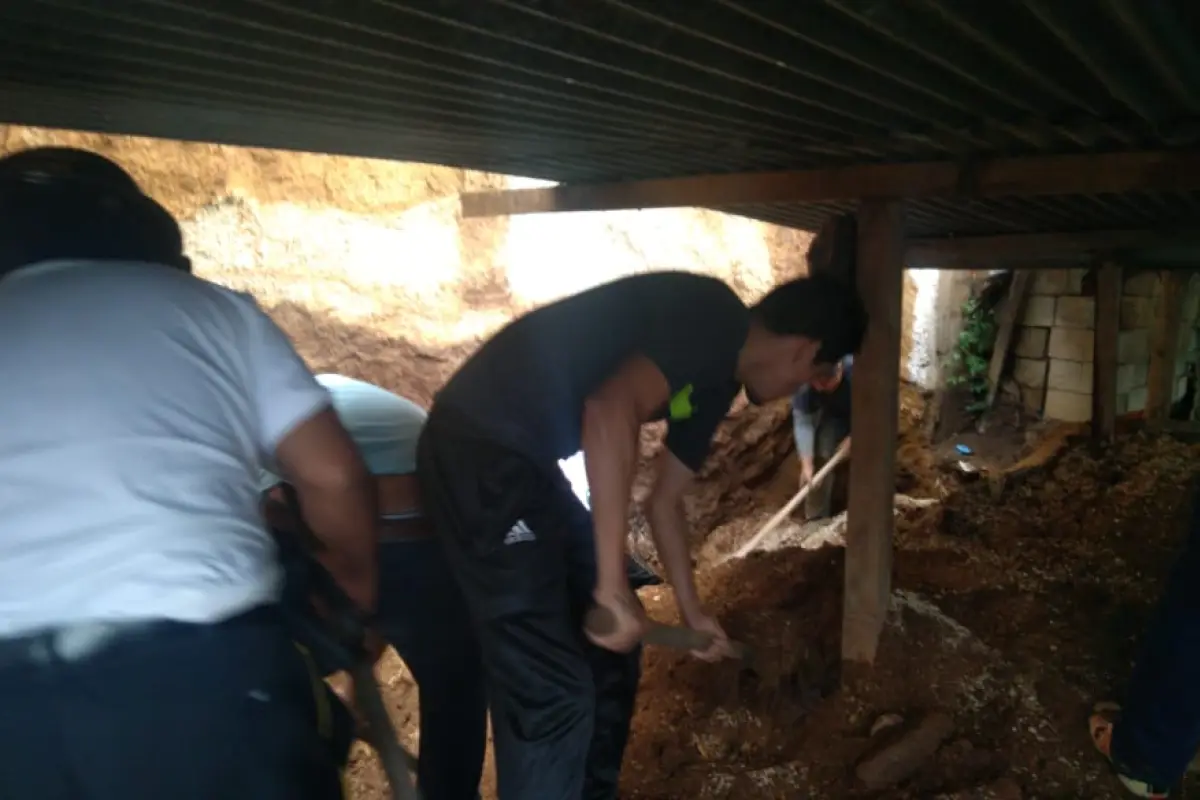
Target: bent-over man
(820, 422)
(588, 371)
(421, 611)
(143, 652)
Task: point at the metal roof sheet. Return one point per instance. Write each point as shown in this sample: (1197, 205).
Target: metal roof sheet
(603, 90)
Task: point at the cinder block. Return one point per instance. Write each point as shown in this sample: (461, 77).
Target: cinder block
(1140, 284)
(1136, 312)
(1050, 281)
(1039, 311)
(1073, 344)
(1031, 342)
(1070, 376)
(1132, 376)
(1030, 372)
(1032, 397)
(1075, 312)
(1133, 347)
(1068, 406)
(1137, 400)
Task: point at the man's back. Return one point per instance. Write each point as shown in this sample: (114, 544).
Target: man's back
(132, 434)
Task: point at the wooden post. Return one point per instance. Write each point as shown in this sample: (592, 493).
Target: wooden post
(1164, 344)
(1010, 312)
(1104, 363)
(875, 407)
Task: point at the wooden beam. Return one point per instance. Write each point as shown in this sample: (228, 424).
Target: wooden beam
(875, 404)
(1031, 250)
(1104, 360)
(1164, 344)
(1006, 323)
(1009, 177)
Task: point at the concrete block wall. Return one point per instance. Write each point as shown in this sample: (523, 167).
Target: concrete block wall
(1054, 349)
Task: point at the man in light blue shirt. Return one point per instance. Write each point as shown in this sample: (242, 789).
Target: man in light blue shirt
(820, 422)
(420, 610)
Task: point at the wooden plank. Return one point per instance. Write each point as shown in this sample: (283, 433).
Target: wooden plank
(1095, 173)
(1104, 363)
(1032, 250)
(1164, 344)
(1006, 323)
(875, 407)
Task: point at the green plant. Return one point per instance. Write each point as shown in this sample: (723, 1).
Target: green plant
(972, 353)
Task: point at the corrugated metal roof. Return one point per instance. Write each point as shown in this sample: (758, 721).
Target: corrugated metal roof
(603, 90)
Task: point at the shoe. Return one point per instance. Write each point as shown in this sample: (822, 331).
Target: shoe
(1104, 718)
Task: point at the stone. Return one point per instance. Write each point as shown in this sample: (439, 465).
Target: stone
(886, 722)
(1030, 372)
(1071, 376)
(1132, 376)
(1133, 347)
(903, 756)
(1050, 281)
(1140, 284)
(1039, 311)
(1075, 281)
(1075, 312)
(1068, 406)
(1137, 400)
(1031, 342)
(1136, 312)
(1073, 344)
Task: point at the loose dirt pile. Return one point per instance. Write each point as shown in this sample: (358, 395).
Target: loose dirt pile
(1012, 611)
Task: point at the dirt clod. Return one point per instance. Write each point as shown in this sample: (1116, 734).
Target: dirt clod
(908, 751)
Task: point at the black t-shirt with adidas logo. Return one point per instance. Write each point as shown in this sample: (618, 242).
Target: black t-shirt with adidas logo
(526, 387)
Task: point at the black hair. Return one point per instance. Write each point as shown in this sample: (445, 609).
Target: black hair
(817, 307)
(66, 203)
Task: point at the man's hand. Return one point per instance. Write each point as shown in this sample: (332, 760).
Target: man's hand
(627, 616)
(806, 471)
(719, 648)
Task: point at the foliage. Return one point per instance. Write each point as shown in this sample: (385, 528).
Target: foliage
(972, 353)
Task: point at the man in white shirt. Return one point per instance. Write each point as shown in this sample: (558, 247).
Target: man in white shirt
(143, 652)
(421, 611)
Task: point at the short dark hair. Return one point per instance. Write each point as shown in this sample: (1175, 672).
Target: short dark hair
(66, 203)
(818, 307)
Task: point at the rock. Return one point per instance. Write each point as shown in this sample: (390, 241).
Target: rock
(886, 722)
(902, 757)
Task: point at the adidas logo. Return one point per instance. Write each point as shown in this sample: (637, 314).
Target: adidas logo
(519, 533)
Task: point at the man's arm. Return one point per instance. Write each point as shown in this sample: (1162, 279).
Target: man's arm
(612, 417)
(804, 431)
(338, 499)
(669, 528)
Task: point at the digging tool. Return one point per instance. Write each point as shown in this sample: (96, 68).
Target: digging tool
(796, 500)
(600, 621)
(343, 639)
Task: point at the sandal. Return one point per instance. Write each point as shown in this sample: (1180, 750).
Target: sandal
(1104, 718)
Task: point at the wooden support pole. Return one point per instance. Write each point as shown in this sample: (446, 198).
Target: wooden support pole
(1164, 345)
(875, 405)
(1104, 362)
(1006, 322)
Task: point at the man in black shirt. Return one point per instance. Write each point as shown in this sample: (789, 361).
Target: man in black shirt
(588, 371)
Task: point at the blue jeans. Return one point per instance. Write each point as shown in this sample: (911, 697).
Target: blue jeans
(1159, 730)
(164, 710)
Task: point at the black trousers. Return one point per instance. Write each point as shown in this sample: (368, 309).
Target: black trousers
(520, 545)
(422, 614)
(164, 710)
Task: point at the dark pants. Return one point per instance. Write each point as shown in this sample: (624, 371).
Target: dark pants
(422, 614)
(165, 710)
(520, 544)
(1159, 731)
(829, 432)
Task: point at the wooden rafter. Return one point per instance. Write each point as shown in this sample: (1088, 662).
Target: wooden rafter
(1159, 170)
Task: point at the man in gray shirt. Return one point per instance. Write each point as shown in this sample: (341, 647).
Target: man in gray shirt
(820, 421)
